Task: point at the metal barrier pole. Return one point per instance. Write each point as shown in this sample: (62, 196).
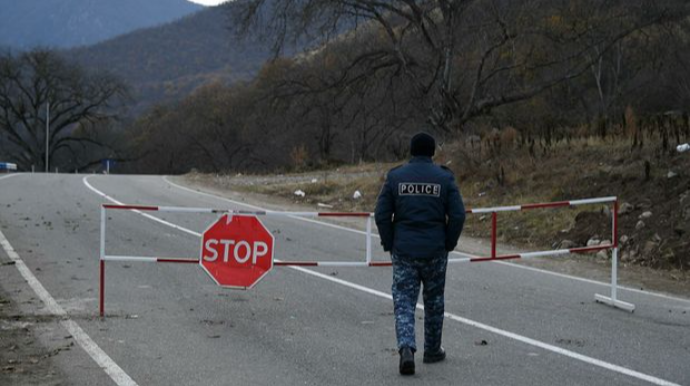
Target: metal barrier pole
(101, 302)
(613, 300)
(614, 274)
(614, 253)
(368, 239)
(494, 220)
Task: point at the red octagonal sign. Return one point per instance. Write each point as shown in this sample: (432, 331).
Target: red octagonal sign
(237, 251)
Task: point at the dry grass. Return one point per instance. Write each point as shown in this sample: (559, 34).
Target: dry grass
(334, 191)
(510, 175)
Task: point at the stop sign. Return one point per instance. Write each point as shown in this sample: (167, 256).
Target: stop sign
(237, 251)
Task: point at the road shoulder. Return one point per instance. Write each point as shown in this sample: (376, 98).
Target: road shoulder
(25, 359)
(674, 283)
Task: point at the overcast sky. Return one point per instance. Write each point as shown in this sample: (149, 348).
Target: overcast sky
(208, 2)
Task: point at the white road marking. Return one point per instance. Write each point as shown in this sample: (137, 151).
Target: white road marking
(590, 281)
(86, 182)
(8, 176)
(469, 322)
(507, 334)
(503, 263)
(342, 228)
(83, 339)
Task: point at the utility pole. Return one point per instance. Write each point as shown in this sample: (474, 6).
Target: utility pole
(47, 135)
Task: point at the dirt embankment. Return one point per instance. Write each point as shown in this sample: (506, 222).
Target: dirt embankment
(544, 229)
(653, 190)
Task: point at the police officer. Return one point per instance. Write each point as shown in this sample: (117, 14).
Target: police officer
(420, 215)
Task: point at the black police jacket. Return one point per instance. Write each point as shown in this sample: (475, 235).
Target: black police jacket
(419, 212)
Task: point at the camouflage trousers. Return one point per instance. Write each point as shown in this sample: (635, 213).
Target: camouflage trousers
(408, 276)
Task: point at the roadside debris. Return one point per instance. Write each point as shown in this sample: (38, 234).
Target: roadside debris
(625, 208)
(645, 215)
(567, 244)
(593, 242)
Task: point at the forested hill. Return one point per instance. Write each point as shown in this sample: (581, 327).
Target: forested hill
(166, 63)
(25, 24)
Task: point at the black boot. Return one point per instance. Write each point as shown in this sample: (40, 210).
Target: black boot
(406, 361)
(434, 356)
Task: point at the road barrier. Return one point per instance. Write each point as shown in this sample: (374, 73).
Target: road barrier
(611, 300)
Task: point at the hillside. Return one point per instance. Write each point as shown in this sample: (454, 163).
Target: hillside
(654, 221)
(68, 23)
(166, 63)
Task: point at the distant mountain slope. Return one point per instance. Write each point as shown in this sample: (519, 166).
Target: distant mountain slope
(167, 62)
(69, 23)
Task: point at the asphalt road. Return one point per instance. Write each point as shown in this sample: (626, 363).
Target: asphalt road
(171, 325)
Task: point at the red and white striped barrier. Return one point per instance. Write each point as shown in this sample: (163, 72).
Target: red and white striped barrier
(494, 219)
(180, 209)
(611, 300)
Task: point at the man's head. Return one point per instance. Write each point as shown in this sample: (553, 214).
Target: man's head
(422, 144)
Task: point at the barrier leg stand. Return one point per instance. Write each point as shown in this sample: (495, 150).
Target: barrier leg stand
(494, 220)
(369, 240)
(613, 300)
(101, 300)
(614, 274)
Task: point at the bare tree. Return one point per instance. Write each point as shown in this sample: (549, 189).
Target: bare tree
(462, 57)
(32, 81)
